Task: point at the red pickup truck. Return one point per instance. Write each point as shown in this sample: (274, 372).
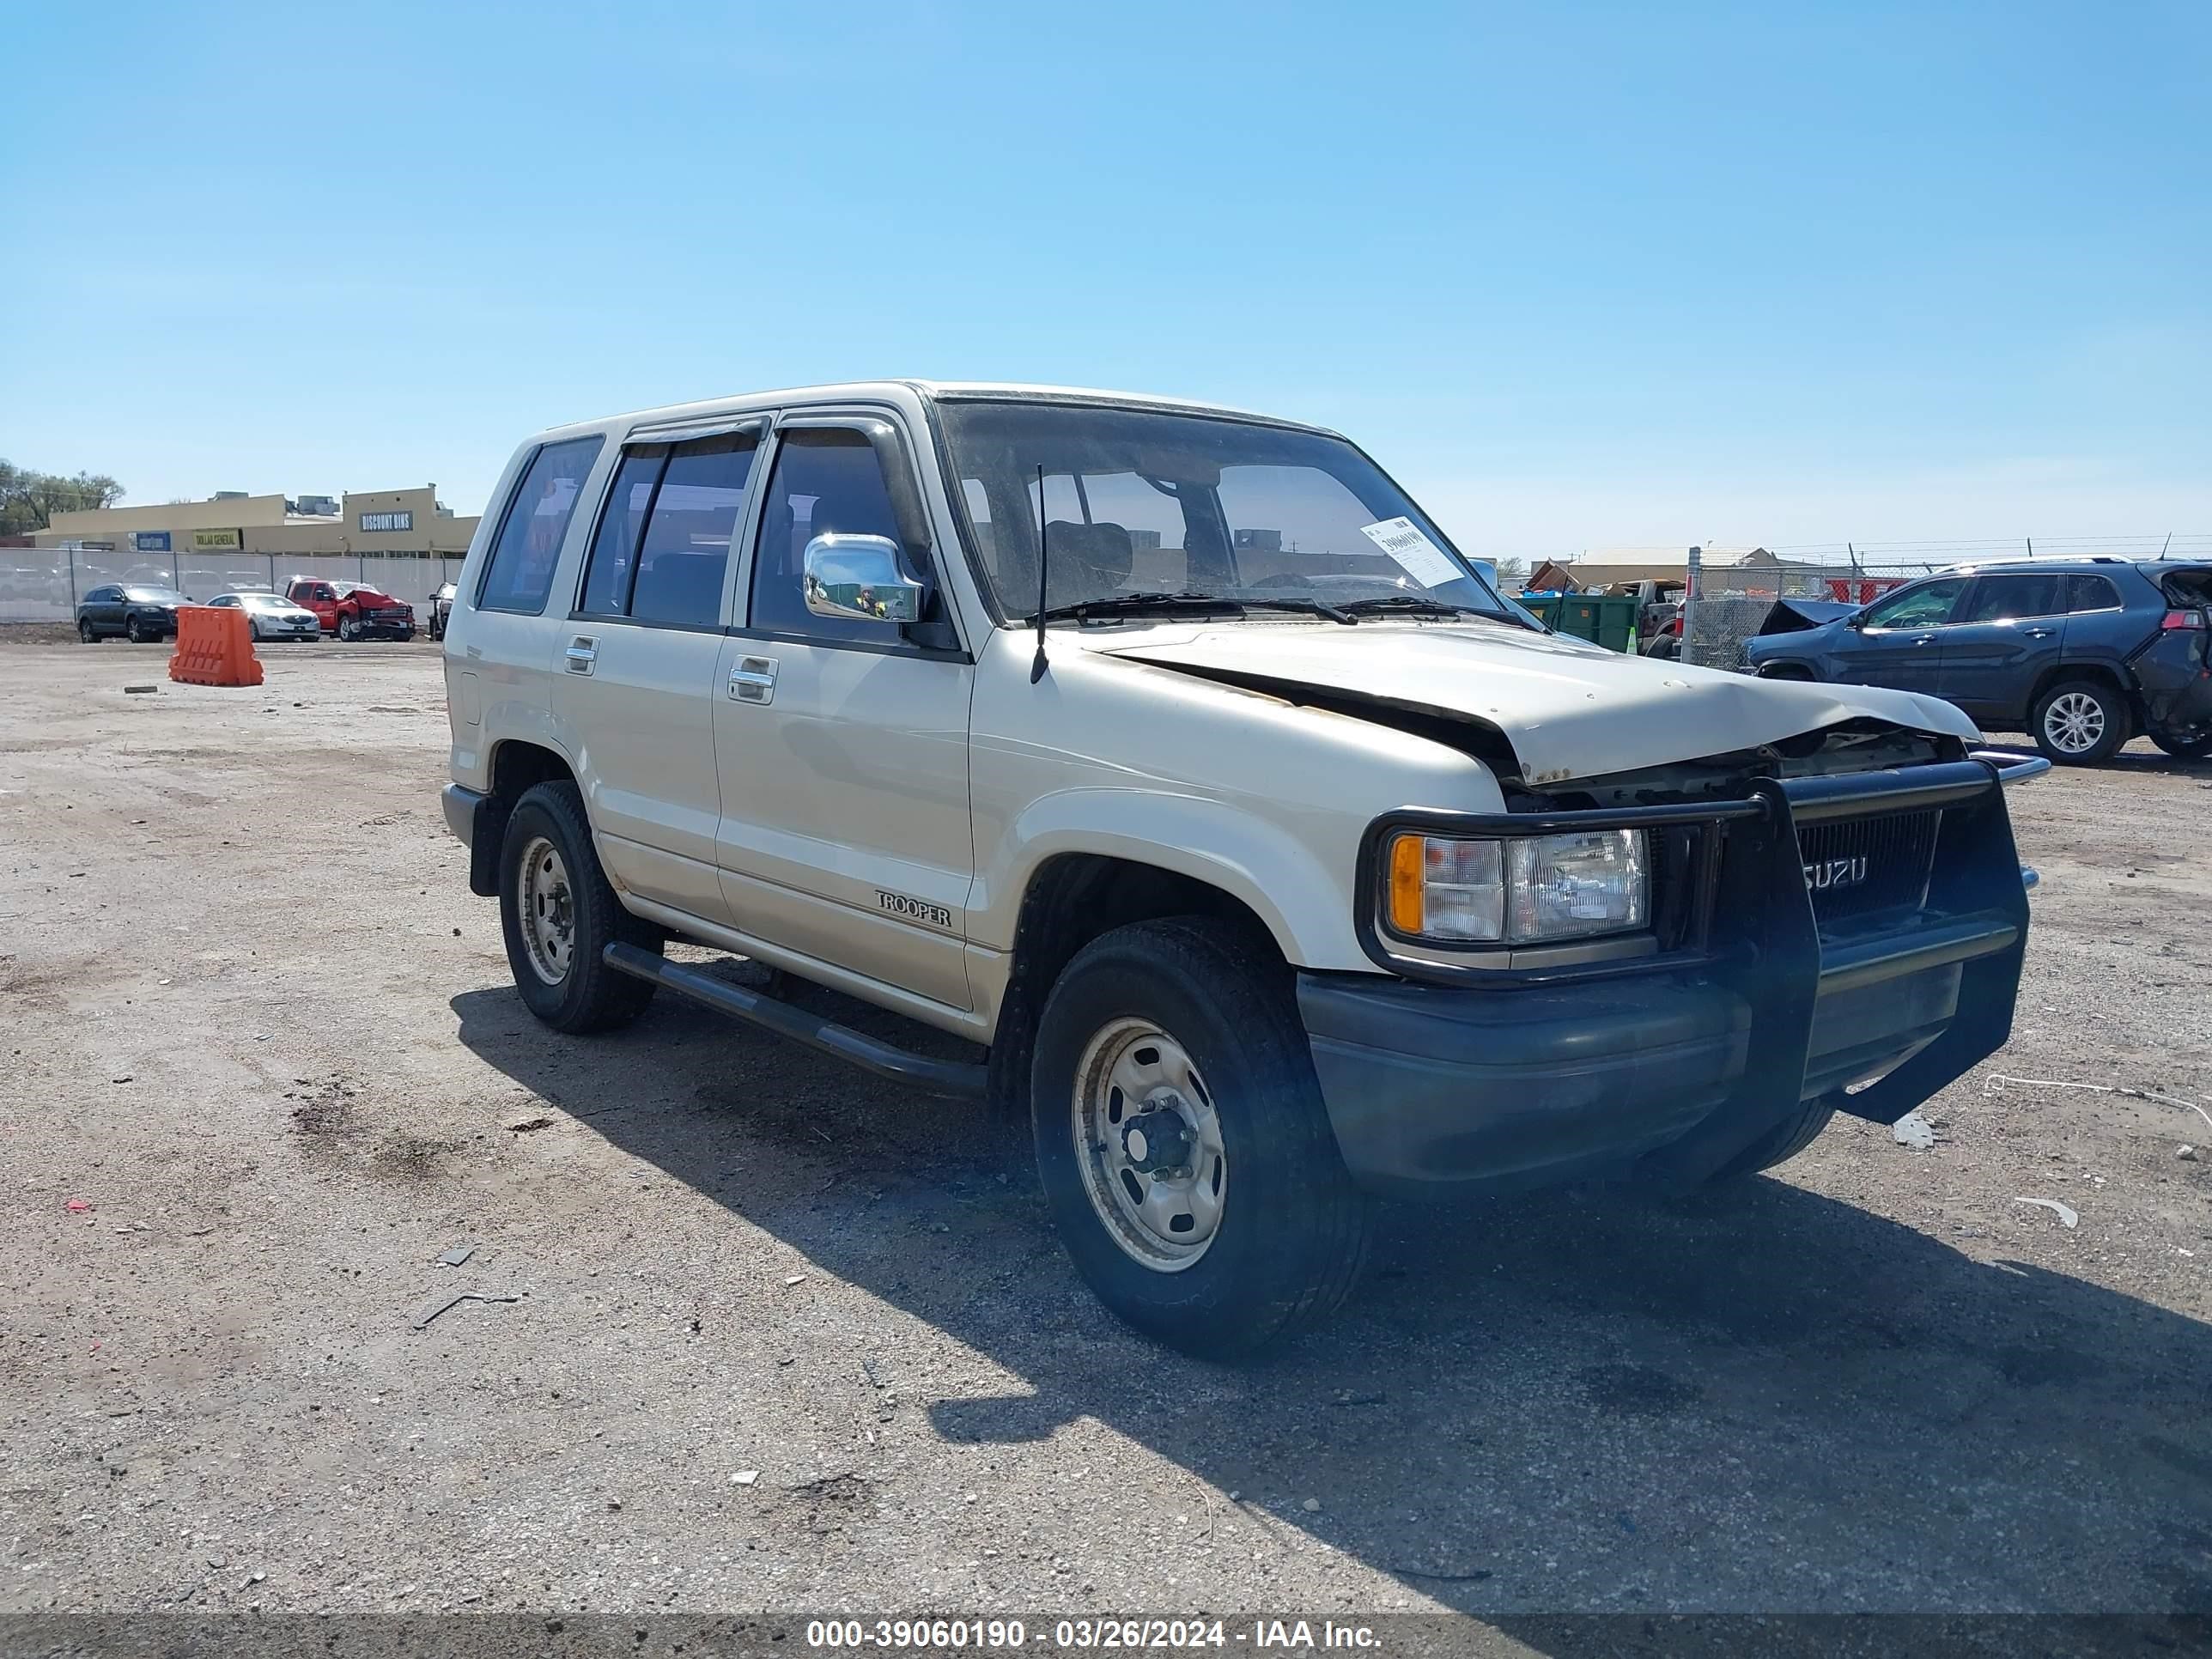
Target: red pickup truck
(353, 611)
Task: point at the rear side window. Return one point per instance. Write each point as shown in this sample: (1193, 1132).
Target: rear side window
(519, 573)
(2092, 594)
(2006, 599)
(621, 523)
(663, 545)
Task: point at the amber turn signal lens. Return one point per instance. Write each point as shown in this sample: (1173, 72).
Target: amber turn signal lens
(1407, 855)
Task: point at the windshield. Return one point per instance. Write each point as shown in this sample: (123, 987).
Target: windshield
(264, 602)
(155, 595)
(1136, 501)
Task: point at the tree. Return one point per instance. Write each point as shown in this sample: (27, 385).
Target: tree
(1512, 570)
(29, 499)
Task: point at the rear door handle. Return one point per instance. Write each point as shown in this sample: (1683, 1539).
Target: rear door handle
(753, 680)
(582, 653)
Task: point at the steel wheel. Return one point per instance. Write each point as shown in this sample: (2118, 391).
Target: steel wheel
(2073, 723)
(1148, 1144)
(547, 909)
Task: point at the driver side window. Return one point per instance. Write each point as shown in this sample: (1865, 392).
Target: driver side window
(826, 480)
(1928, 605)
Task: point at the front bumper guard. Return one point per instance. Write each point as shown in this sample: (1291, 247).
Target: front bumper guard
(1878, 1016)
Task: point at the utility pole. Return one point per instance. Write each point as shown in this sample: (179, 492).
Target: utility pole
(1696, 580)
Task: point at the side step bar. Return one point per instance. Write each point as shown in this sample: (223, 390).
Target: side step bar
(956, 1079)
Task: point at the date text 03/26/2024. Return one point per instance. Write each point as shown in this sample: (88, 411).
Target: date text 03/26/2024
(1006, 1635)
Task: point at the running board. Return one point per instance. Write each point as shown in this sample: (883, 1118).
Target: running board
(956, 1079)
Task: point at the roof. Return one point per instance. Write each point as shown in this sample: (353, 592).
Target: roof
(1604, 575)
(883, 391)
(2085, 561)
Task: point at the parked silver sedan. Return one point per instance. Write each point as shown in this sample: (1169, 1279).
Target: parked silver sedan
(270, 615)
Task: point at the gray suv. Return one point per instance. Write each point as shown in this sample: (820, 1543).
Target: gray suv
(2082, 655)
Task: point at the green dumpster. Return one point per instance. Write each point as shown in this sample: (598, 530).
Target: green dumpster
(1544, 607)
(1602, 619)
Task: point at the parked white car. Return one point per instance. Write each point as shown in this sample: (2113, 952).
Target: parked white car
(270, 615)
(1173, 754)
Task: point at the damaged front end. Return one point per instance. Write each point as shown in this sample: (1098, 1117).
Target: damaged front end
(1836, 918)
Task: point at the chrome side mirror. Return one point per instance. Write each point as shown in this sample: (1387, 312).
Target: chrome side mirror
(858, 578)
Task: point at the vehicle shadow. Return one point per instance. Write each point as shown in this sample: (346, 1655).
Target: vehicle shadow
(1591, 1402)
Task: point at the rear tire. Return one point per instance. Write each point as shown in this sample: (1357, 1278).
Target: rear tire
(1784, 1142)
(1785, 671)
(86, 632)
(2196, 748)
(559, 916)
(1254, 1229)
(2080, 722)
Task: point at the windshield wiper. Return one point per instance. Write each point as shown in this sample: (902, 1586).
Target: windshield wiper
(1417, 605)
(1308, 607)
(1112, 604)
(1115, 605)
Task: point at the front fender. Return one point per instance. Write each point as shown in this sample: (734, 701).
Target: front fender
(1301, 894)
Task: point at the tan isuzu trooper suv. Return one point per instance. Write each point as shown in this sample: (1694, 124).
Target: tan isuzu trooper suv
(1175, 756)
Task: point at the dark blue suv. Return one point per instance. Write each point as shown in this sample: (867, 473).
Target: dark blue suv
(2081, 653)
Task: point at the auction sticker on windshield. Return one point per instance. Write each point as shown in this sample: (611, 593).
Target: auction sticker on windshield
(1419, 558)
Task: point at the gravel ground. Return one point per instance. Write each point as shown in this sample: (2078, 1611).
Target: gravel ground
(786, 1339)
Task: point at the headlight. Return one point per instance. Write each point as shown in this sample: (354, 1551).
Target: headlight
(1522, 891)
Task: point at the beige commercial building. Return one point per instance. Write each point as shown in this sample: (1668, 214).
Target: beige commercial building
(376, 524)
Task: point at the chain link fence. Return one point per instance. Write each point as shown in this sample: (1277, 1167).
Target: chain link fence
(43, 584)
(1736, 602)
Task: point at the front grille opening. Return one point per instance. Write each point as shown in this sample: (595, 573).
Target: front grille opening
(1873, 867)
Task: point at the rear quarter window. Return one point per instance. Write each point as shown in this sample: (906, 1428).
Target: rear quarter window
(2092, 594)
(519, 573)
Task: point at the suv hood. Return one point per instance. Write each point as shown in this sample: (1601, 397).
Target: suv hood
(1570, 710)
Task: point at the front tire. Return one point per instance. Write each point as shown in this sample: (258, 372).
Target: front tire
(347, 630)
(559, 914)
(1181, 1141)
(1779, 1144)
(2080, 722)
(133, 630)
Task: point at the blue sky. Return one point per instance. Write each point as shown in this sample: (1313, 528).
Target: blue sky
(1581, 276)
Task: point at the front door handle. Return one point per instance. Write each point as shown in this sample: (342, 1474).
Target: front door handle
(2038, 633)
(753, 680)
(583, 651)
(1925, 639)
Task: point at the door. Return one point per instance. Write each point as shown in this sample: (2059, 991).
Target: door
(2007, 632)
(103, 608)
(638, 659)
(1899, 640)
(843, 742)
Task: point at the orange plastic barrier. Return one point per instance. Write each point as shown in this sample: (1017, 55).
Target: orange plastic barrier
(214, 647)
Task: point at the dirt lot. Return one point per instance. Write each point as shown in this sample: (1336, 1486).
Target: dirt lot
(254, 1019)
